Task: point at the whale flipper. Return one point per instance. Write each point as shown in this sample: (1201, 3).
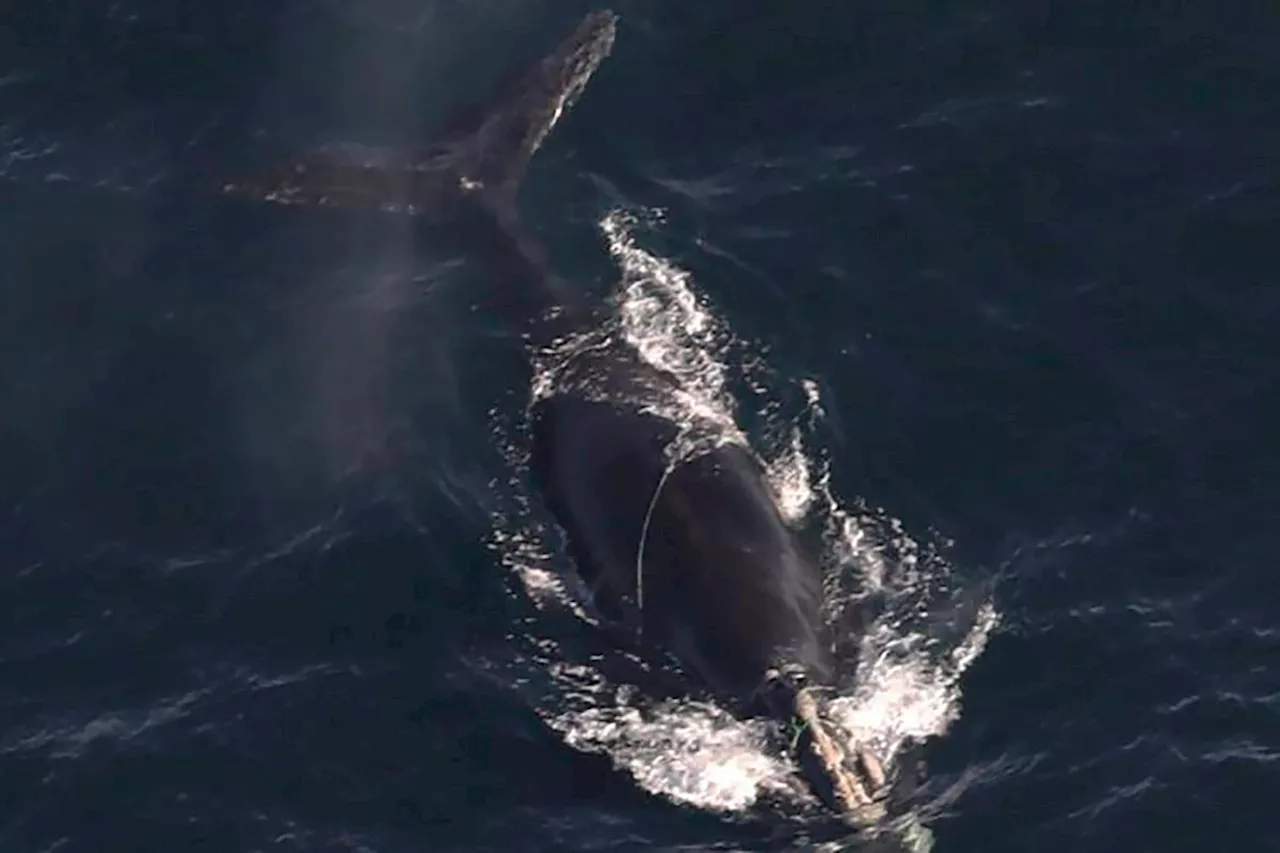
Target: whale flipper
(482, 153)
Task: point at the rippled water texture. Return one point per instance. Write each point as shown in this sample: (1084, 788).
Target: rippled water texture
(991, 289)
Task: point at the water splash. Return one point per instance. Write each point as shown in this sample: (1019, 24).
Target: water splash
(664, 320)
(689, 752)
(910, 658)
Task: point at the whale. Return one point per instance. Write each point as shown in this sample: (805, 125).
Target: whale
(688, 552)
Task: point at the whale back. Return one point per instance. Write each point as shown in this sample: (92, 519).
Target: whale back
(695, 557)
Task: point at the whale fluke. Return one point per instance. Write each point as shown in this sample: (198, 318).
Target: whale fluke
(482, 153)
(497, 141)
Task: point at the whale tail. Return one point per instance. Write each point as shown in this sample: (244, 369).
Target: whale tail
(482, 153)
(496, 141)
(853, 786)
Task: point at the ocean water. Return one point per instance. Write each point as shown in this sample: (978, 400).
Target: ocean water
(991, 286)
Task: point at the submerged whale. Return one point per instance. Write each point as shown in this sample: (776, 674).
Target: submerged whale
(693, 552)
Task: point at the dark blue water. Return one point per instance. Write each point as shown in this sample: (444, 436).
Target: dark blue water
(248, 467)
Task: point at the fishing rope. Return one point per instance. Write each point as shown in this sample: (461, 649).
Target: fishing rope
(644, 534)
(797, 729)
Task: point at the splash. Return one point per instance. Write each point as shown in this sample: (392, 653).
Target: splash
(905, 687)
(663, 319)
(902, 685)
(690, 752)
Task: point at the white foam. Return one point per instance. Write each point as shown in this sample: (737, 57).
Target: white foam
(688, 752)
(670, 327)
